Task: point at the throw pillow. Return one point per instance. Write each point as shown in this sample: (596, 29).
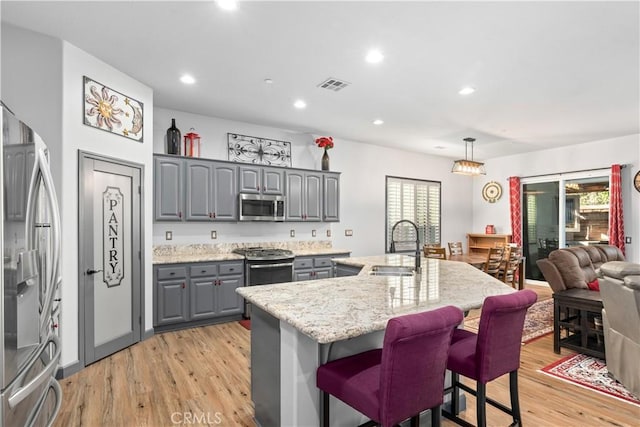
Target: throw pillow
(594, 286)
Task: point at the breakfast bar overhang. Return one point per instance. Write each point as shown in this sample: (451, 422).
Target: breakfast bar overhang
(298, 326)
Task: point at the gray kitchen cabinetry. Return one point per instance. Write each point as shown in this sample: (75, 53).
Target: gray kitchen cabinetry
(304, 196)
(193, 294)
(261, 180)
(211, 191)
(171, 298)
(343, 270)
(168, 178)
(331, 197)
(314, 267)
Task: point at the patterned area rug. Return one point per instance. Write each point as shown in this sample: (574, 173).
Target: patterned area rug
(537, 323)
(589, 372)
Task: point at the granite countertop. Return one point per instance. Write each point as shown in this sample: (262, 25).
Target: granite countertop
(177, 254)
(340, 308)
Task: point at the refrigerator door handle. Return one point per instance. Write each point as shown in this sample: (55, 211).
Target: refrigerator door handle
(42, 169)
(44, 376)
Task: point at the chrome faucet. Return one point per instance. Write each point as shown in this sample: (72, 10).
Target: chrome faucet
(393, 245)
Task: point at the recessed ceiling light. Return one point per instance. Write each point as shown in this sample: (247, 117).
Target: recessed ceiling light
(439, 147)
(374, 56)
(378, 122)
(467, 90)
(300, 104)
(227, 4)
(187, 79)
(268, 81)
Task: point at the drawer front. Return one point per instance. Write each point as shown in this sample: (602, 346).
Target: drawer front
(231, 268)
(204, 270)
(302, 263)
(322, 262)
(164, 273)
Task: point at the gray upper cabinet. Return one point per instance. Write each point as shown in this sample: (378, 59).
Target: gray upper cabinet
(168, 188)
(331, 202)
(211, 191)
(199, 190)
(259, 179)
(194, 189)
(304, 196)
(225, 192)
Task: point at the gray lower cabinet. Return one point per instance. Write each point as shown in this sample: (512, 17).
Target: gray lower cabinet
(188, 293)
(314, 267)
(343, 270)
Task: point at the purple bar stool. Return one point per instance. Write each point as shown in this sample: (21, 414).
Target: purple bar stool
(400, 380)
(489, 354)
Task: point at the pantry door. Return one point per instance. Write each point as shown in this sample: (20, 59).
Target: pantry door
(111, 274)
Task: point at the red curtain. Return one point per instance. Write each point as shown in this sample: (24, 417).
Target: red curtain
(616, 222)
(516, 210)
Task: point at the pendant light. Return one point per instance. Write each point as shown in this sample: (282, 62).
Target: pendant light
(468, 167)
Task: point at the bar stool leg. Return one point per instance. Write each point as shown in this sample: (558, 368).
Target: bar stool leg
(515, 403)
(435, 416)
(455, 400)
(325, 409)
(481, 404)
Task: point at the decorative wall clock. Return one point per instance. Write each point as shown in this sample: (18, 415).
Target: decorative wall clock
(491, 191)
(636, 181)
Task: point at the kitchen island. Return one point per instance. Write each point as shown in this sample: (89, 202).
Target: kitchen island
(298, 326)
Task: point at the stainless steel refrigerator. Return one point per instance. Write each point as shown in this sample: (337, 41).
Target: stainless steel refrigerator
(29, 297)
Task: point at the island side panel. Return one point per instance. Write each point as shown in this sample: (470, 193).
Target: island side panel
(265, 367)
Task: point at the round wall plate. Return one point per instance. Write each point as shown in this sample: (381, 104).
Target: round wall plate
(636, 181)
(491, 191)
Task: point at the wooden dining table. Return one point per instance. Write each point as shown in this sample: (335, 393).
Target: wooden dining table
(478, 260)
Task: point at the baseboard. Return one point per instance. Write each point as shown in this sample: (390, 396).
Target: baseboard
(148, 334)
(67, 371)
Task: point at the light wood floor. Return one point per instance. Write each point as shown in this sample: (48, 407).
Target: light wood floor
(201, 376)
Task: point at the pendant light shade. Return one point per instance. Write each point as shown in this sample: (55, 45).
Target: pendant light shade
(468, 167)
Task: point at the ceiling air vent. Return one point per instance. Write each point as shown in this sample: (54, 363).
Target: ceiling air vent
(333, 84)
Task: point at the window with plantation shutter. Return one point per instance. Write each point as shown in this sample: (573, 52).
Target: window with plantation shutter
(417, 201)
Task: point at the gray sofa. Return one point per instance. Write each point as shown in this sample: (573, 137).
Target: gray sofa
(620, 292)
(574, 267)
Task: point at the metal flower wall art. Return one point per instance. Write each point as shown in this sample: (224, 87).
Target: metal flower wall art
(111, 111)
(260, 151)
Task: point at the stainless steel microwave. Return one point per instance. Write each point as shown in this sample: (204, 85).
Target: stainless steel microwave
(261, 207)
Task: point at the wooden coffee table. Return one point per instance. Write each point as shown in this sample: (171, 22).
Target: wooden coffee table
(574, 311)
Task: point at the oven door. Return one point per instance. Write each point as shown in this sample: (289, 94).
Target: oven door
(266, 272)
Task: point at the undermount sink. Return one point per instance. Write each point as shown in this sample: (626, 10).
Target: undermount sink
(391, 270)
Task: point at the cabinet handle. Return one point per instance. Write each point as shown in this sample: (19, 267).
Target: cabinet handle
(203, 271)
(231, 269)
(184, 285)
(214, 214)
(210, 215)
(258, 188)
(179, 214)
(218, 282)
(264, 189)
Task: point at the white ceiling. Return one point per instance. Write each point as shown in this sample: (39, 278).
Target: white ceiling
(546, 73)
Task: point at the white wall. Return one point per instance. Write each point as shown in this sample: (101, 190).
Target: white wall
(76, 137)
(363, 169)
(592, 155)
(42, 82)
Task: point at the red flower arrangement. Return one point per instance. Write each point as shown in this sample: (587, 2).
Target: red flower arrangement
(325, 142)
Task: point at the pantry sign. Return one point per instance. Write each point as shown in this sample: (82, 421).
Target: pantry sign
(113, 239)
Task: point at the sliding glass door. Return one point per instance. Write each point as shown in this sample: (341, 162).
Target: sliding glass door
(582, 218)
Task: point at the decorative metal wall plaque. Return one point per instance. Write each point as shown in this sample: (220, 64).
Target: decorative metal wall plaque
(111, 111)
(112, 237)
(260, 151)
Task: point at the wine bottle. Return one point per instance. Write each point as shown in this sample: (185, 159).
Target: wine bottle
(173, 139)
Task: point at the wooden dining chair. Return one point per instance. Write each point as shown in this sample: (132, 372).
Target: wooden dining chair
(428, 246)
(510, 265)
(494, 261)
(439, 253)
(455, 248)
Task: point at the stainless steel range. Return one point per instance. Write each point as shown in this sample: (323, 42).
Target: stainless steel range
(264, 266)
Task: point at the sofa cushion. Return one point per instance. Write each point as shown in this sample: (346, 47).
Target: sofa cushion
(611, 253)
(597, 256)
(568, 263)
(620, 269)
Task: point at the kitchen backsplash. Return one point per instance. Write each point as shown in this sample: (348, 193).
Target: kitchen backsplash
(222, 248)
